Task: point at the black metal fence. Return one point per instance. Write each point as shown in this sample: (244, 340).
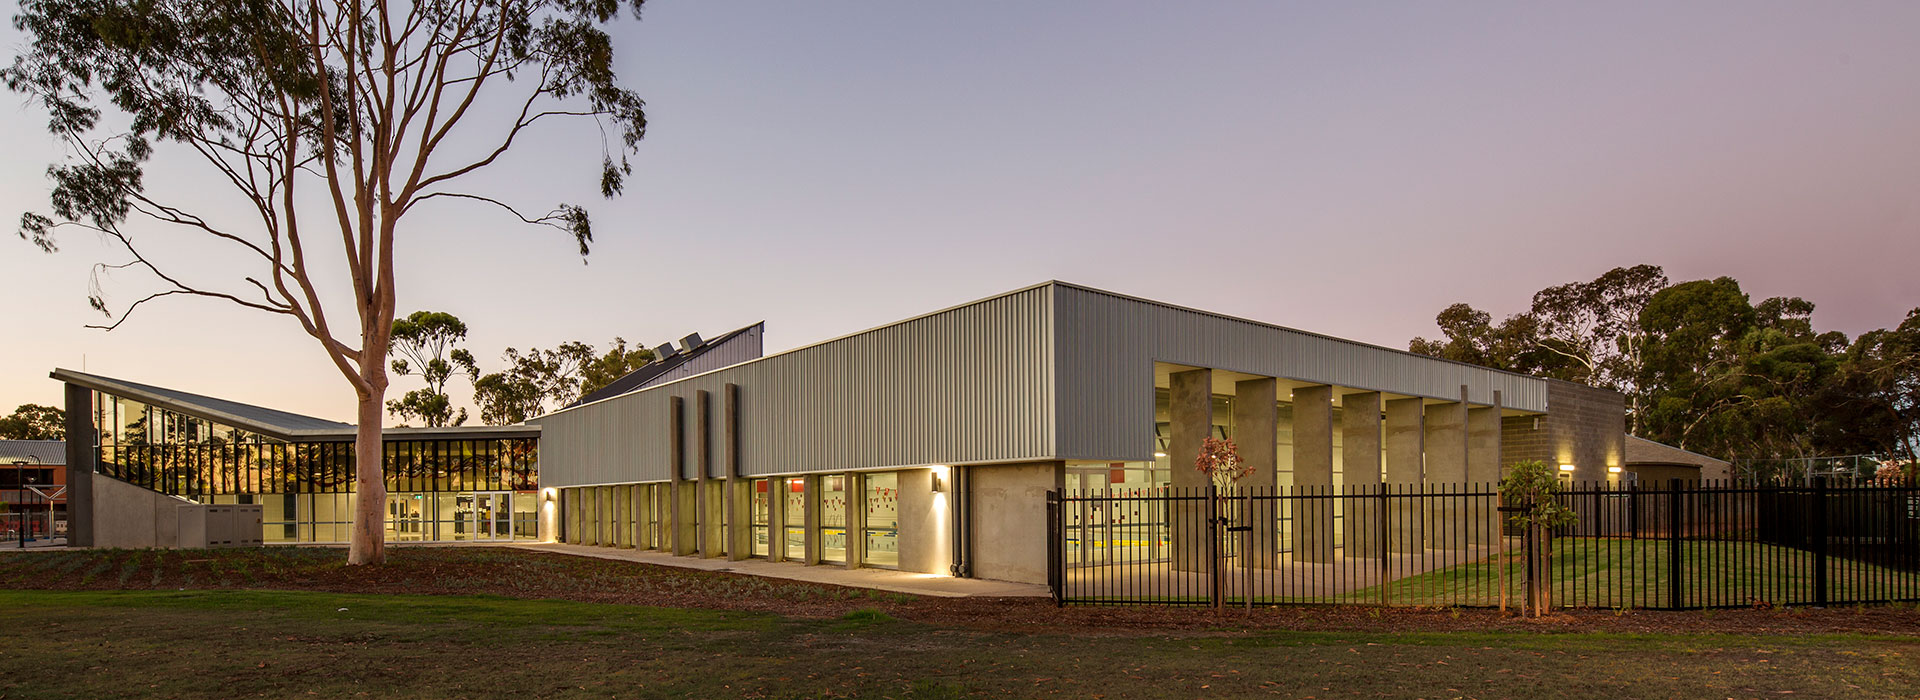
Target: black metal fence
(1683, 545)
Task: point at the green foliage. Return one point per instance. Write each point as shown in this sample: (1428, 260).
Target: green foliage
(540, 378)
(425, 340)
(1705, 369)
(1531, 485)
(34, 422)
(614, 364)
(1581, 331)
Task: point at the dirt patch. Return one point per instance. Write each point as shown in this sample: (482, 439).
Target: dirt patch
(543, 575)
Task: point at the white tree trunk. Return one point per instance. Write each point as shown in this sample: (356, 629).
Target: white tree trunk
(369, 544)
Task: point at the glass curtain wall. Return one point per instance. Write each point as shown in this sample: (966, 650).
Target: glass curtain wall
(305, 489)
(880, 537)
(761, 516)
(795, 524)
(833, 519)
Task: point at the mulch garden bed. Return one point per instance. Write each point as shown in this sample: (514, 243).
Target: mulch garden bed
(547, 575)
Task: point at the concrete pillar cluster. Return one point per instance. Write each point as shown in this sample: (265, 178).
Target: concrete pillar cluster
(1404, 446)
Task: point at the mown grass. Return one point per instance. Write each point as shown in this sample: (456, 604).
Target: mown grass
(206, 644)
(1625, 573)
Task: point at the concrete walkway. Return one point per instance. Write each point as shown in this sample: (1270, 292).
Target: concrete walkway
(879, 579)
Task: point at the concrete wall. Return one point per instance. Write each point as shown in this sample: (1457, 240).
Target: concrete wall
(1010, 519)
(129, 517)
(1584, 426)
(926, 522)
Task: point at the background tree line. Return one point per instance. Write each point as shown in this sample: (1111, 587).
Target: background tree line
(425, 345)
(1706, 369)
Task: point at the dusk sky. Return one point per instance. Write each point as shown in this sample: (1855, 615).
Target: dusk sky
(1343, 168)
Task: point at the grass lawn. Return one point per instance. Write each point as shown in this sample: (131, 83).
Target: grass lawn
(1613, 573)
(245, 643)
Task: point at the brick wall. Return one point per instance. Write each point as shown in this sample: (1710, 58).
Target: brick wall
(1584, 426)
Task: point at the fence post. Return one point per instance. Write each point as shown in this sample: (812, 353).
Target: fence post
(1380, 532)
(1056, 550)
(1820, 541)
(1213, 546)
(1676, 520)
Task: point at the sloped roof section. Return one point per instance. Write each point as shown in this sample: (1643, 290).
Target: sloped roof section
(52, 453)
(267, 421)
(1643, 451)
(274, 423)
(729, 349)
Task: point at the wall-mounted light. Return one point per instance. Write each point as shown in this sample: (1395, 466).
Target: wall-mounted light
(939, 483)
(1566, 467)
(1159, 454)
(1614, 470)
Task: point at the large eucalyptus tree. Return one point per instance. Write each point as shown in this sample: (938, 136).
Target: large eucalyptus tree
(332, 121)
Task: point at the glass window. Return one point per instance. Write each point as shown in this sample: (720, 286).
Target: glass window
(796, 520)
(881, 536)
(526, 515)
(833, 519)
(760, 515)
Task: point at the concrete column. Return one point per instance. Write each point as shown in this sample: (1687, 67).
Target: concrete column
(1190, 419)
(1447, 472)
(642, 513)
(1256, 414)
(681, 509)
(1483, 470)
(813, 519)
(599, 510)
(856, 517)
(1406, 468)
(739, 489)
(623, 520)
(1313, 473)
(81, 454)
(1360, 459)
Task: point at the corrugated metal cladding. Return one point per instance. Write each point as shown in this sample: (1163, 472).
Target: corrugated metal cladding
(731, 351)
(1107, 345)
(969, 384)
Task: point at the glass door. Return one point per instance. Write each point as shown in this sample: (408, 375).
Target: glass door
(1087, 531)
(487, 516)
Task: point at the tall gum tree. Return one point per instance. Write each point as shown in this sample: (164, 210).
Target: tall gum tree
(332, 121)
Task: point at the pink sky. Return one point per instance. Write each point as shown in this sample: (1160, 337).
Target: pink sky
(1347, 169)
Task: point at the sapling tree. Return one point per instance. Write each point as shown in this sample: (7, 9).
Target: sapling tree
(1529, 487)
(329, 123)
(1220, 460)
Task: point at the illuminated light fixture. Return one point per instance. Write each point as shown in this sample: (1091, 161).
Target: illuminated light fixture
(1613, 470)
(939, 479)
(1566, 467)
(1159, 454)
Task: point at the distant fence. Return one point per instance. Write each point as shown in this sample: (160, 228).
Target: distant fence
(1688, 545)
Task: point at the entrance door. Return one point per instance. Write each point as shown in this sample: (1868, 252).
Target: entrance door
(491, 516)
(1088, 534)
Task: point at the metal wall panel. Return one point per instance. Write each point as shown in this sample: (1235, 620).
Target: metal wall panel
(1107, 345)
(969, 384)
